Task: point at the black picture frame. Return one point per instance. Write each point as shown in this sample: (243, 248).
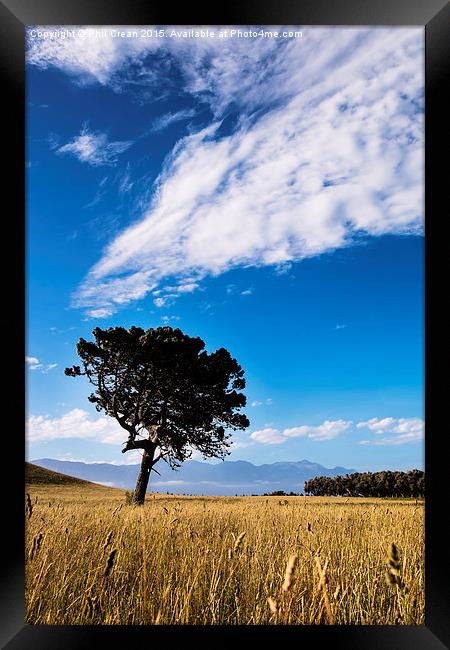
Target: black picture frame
(434, 16)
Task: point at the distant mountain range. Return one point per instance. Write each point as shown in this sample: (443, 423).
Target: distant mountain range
(227, 478)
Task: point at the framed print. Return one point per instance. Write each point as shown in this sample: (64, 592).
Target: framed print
(228, 227)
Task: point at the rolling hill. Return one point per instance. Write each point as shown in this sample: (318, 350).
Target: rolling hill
(35, 475)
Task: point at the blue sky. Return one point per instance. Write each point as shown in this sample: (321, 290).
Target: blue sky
(264, 193)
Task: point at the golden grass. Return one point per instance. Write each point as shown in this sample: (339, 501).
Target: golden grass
(91, 559)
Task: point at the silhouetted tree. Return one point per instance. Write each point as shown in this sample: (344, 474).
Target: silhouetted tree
(165, 391)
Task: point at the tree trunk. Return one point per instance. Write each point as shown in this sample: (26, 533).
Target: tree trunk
(143, 476)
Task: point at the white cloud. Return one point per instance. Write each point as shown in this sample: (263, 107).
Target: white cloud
(326, 431)
(187, 287)
(75, 424)
(99, 313)
(340, 153)
(118, 291)
(329, 144)
(256, 402)
(247, 292)
(241, 444)
(53, 140)
(125, 182)
(88, 59)
(217, 72)
(220, 72)
(268, 436)
(167, 294)
(33, 363)
(132, 457)
(409, 425)
(283, 268)
(49, 366)
(94, 148)
(402, 430)
(163, 121)
(98, 196)
(377, 425)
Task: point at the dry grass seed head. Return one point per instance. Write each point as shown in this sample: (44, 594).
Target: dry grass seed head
(110, 562)
(393, 574)
(273, 605)
(92, 603)
(289, 573)
(238, 542)
(108, 540)
(29, 506)
(393, 561)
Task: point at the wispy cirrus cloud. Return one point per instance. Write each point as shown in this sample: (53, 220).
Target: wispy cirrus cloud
(397, 431)
(101, 191)
(119, 291)
(217, 73)
(94, 148)
(164, 121)
(341, 158)
(49, 366)
(87, 59)
(328, 146)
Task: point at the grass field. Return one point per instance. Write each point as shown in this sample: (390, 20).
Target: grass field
(92, 559)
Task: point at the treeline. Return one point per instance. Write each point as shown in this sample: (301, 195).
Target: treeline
(369, 484)
(279, 493)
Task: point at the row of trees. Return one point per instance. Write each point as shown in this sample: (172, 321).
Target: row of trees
(369, 484)
(279, 493)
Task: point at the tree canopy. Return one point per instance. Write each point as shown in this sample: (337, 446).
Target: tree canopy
(164, 390)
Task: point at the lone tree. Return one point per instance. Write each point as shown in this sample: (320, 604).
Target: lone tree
(165, 391)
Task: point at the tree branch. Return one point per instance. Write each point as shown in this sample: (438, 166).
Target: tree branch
(137, 444)
(161, 455)
(122, 419)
